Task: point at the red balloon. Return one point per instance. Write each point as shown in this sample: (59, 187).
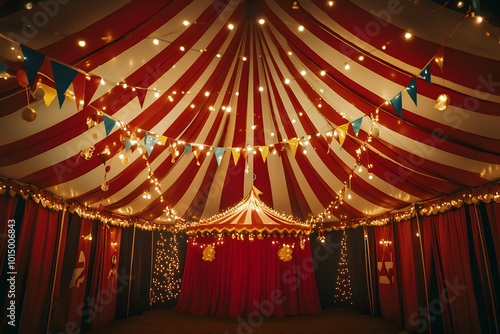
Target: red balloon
(22, 78)
(107, 169)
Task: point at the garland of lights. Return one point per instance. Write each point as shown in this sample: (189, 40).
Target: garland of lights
(343, 293)
(166, 280)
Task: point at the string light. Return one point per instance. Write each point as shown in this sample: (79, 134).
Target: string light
(166, 273)
(343, 291)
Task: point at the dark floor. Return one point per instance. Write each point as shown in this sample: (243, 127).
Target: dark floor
(329, 321)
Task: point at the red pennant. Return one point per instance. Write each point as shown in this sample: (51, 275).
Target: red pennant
(278, 147)
(100, 207)
(141, 95)
(90, 88)
(329, 140)
(244, 152)
(79, 88)
(103, 157)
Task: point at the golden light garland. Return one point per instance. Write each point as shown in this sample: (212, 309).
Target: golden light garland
(166, 275)
(343, 292)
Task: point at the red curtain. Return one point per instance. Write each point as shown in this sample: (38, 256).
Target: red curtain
(247, 277)
(69, 308)
(387, 277)
(104, 277)
(7, 211)
(36, 249)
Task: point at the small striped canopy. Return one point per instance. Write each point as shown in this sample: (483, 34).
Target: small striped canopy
(250, 215)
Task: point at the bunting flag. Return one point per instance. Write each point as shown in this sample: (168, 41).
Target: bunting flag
(411, 89)
(293, 145)
(236, 155)
(91, 86)
(63, 77)
(128, 144)
(33, 60)
(278, 148)
(141, 95)
(397, 103)
(50, 93)
(329, 140)
(342, 132)
(109, 124)
(264, 151)
(245, 154)
(163, 140)
(79, 90)
(426, 74)
(197, 153)
(219, 152)
(356, 125)
(149, 142)
(187, 148)
(439, 58)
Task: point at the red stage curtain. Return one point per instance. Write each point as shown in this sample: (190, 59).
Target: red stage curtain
(387, 277)
(101, 309)
(69, 308)
(36, 247)
(248, 278)
(454, 301)
(7, 211)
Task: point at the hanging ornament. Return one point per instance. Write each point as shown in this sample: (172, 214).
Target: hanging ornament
(285, 253)
(39, 93)
(125, 160)
(208, 253)
(375, 131)
(105, 186)
(28, 114)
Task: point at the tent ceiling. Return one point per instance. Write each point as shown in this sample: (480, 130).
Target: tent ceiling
(256, 85)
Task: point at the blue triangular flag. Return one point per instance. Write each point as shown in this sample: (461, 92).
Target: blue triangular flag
(426, 74)
(397, 103)
(187, 148)
(219, 152)
(412, 90)
(109, 124)
(63, 77)
(128, 145)
(149, 142)
(33, 60)
(356, 125)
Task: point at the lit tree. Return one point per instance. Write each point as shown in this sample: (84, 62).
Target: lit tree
(166, 274)
(343, 293)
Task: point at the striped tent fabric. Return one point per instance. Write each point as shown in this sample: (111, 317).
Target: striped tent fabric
(326, 107)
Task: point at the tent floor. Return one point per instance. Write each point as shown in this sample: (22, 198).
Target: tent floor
(329, 321)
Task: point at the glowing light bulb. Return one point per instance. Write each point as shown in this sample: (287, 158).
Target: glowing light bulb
(361, 58)
(347, 66)
(262, 21)
(301, 28)
(408, 35)
(230, 26)
(82, 43)
(182, 48)
(287, 81)
(479, 19)
(186, 23)
(322, 73)
(156, 41)
(261, 89)
(303, 73)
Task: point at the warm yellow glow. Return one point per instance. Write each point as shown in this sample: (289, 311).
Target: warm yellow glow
(408, 35)
(156, 41)
(82, 43)
(230, 26)
(287, 81)
(303, 73)
(460, 4)
(261, 89)
(330, 3)
(361, 58)
(347, 66)
(182, 48)
(301, 28)
(186, 23)
(322, 72)
(479, 19)
(262, 21)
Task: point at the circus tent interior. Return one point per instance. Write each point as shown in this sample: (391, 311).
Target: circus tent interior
(258, 162)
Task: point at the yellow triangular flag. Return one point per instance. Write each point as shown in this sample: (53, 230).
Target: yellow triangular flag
(50, 93)
(342, 132)
(264, 151)
(293, 145)
(236, 155)
(163, 140)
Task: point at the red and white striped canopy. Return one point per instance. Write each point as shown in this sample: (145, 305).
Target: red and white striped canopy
(250, 215)
(262, 86)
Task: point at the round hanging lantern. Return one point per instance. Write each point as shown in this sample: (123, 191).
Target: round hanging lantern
(29, 114)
